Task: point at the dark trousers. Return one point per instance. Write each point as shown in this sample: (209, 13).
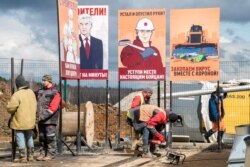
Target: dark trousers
(48, 138)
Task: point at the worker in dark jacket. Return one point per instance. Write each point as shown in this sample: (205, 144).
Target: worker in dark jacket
(216, 115)
(48, 112)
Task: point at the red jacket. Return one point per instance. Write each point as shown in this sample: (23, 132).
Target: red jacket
(131, 58)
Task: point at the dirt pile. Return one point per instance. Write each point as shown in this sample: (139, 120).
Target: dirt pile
(99, 117)
(100, 120)
(5, 95)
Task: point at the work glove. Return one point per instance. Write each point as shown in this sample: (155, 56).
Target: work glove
(45, 114)
(148, 52)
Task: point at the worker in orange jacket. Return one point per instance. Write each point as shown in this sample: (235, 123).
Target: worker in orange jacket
(142, 98)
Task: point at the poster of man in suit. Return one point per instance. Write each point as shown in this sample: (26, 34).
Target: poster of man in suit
(93, 36)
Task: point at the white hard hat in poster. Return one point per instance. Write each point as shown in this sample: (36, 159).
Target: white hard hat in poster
(142, 44)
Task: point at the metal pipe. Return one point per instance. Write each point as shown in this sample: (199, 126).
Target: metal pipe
(204, 92)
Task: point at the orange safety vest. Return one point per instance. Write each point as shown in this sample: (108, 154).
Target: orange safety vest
(129, 114)
(141, 97)
(147, 110)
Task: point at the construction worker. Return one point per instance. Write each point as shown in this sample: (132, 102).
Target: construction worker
(141, 98)
(145, 119)
(148, 57)
(22, 107)
(48, 112)
(216, 115)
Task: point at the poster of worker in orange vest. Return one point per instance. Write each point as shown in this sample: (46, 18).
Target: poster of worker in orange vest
(68, 38)
(93, 36)
(142, 44)
(194, 44)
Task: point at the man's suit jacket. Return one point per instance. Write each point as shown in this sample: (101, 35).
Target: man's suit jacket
(95, 60)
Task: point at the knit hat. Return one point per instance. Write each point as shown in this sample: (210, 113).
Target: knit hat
(20, 81)
(47, 78)
(148, 90)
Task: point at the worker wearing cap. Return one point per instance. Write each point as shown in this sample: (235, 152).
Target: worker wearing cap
(141, 98)
(146, 119)
(48, 99)
(150, 58)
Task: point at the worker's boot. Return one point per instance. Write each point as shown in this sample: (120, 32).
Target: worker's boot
(22, 156)
(208, 134)
(30, 154)
(41, 156)
(219, 138)
(146, 152)
(154, 148)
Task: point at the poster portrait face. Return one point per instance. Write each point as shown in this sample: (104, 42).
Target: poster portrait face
(144, 35)
(85, 24)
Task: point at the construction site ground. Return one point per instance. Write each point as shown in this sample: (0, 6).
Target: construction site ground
(197, 155)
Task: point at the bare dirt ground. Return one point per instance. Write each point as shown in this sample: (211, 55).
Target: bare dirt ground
(201, 155)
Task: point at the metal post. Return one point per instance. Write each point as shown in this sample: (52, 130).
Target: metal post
(107, 116)
(78, 136)
(158, 93)
(65, 90)
(21, 71)
(119, 113)
(60, 84)
(13, 139)
(170, 127)
(164, 96)
(164, 104)
(218, 98)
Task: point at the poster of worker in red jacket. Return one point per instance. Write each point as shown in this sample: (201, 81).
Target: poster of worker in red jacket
(194, 44)
(69, 41)
(142, 44)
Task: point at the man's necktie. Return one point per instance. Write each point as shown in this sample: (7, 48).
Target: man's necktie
(87, 48)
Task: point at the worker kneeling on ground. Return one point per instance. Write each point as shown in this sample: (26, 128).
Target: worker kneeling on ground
(146, 119)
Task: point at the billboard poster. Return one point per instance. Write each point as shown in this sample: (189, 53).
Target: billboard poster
(68, 38)
(194, 44)
(93, 36)
(142, 44)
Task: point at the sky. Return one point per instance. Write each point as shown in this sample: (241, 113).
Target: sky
(29, 27)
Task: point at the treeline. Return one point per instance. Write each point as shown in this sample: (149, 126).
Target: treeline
(96, 95)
